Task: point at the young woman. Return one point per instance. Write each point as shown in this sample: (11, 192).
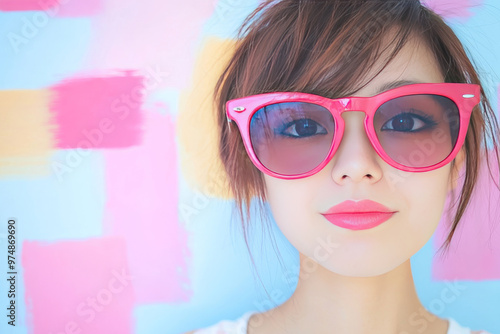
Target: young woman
(352, 120)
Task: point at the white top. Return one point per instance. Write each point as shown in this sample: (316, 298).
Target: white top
(239, 326)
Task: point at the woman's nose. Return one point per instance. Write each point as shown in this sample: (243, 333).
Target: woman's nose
(355, 160)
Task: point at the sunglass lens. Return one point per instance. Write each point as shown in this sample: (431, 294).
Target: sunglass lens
(292, 138)
(418, 130)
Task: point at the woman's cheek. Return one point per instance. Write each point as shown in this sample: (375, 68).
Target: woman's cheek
(427, 196)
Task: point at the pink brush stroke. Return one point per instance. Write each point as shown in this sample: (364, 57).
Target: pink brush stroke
(75, 285)
(62, 8)
(474, 252)
(98, 112)
(453, 8)
(142, 190)
(166, 41)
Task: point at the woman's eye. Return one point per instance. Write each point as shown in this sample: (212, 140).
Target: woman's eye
(303, 128)
(408, 122)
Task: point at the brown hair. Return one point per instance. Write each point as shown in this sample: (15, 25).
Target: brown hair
(325, 47)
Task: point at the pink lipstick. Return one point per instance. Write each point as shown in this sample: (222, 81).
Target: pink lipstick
(360, 215)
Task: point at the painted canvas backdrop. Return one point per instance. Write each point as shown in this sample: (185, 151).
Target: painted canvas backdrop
(107, 171)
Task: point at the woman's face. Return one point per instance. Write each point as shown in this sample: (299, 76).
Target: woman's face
(355, 173)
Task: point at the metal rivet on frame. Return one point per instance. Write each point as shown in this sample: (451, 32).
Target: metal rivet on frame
(468, 96)
(239, 109)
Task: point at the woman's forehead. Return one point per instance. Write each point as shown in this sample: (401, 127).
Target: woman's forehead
(414, 63)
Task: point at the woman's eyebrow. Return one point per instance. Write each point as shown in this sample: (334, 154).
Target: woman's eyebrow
(394, 84)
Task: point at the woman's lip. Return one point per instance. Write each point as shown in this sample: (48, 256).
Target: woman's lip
(364, 206)
(358, 220)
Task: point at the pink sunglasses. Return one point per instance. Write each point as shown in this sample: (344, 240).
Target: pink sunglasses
(414, 128)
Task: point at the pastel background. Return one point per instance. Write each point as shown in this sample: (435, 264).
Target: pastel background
(107, 165)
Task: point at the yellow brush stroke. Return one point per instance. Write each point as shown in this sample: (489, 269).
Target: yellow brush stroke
(26, 132)
(197, 128)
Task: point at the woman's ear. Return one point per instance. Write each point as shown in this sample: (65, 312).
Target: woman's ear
(459, 162)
